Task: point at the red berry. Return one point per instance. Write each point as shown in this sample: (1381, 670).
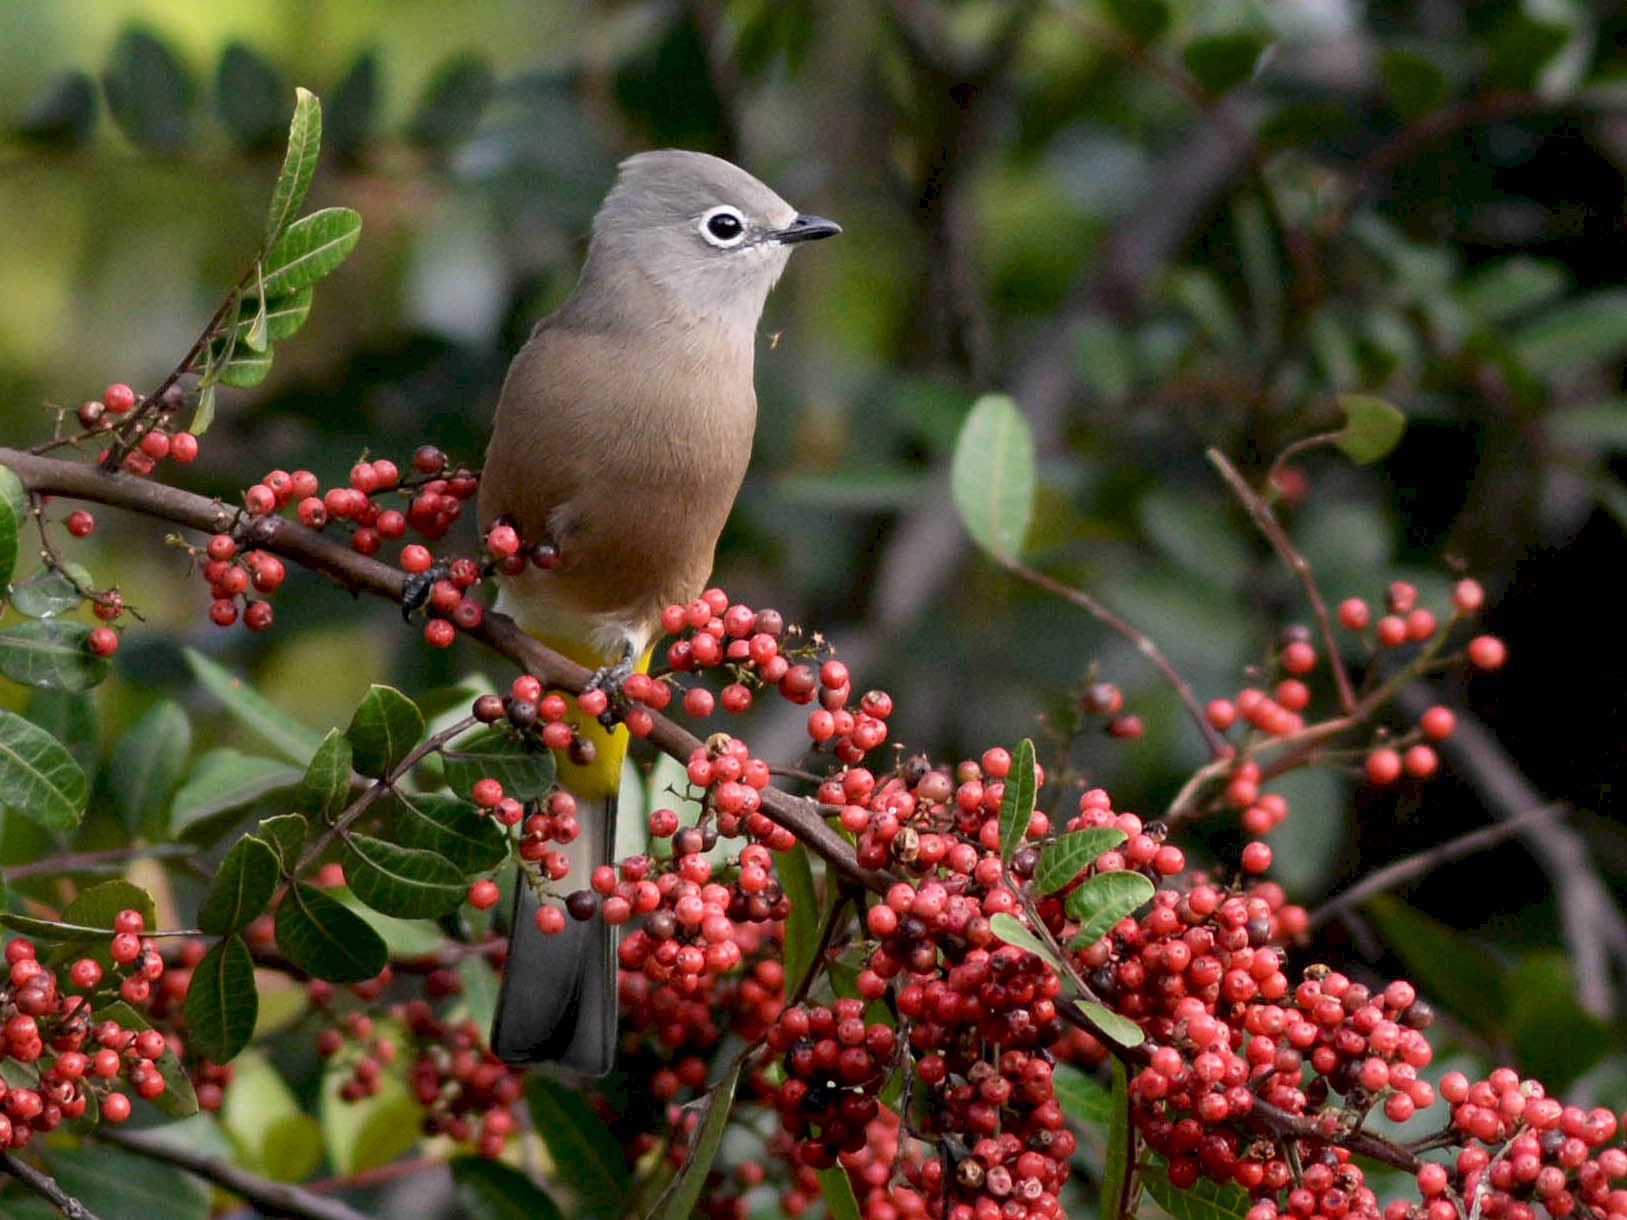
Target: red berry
(698, 702)
(156, 445)
(1299, 658)
(223, 611)
(440, 633)
(222, 547)
(1468, 596)
(118, 398)
(483, 894)
(550, 920)
(80, 523)
(129, 920)
(102, 641)
(1420, 761)
(257, 616)
(1256, 857)
(428, 460)
(1437, 723)
(116, 1107)
(593, 702)
(415, 558)
(313, 512)
(1391, 630)
(1487, 652)
(1383, 766)
(487, 792)
(503, 541)
(183, 447)
(259, 500)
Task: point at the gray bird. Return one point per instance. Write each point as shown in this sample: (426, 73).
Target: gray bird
(621, 438)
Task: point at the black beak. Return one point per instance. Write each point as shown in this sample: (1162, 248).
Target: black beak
(806, 228)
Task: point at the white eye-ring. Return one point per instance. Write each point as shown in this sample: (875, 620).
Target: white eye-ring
(723, 226)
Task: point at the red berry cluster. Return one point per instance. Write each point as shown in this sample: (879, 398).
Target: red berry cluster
(231, 575)
(467, 1093)
(154, 439)
(834, 1066)
(74, 1057)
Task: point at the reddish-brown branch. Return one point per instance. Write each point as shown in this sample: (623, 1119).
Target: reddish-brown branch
(362, 574)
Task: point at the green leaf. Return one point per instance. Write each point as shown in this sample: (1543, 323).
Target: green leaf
(679, 1200)
(1117, 1161)
(98, 906)
(353, 107)
(525, 772)
(70, 717)
(1415, 83)
(1102, 901)
(265, 1122)
(405, 882)
(283, 315)
(1062, 861)
(63, 113)
(802, 921)
(442, 823)
(1221, 62)
(452, 102)
(38, 777)
(323, 938)
(992, 475)
(1117, 1027)
(51, 653)
(309, 249)
(587, 1157)
(50, 592)
(1143, 21)
(285, 835)
(324, 790)
(1081, 1097)
(1574, 335)
(245, 369)
(1372, 428)
(52, 930)
(240, 888)
(252, 98)
(147, 765)
(204, 415)
(491, 1190)
(1017, 800)
(298, 165)
(1205, 1199)
(13, 504)
(1014, 932)
(253, 710)
(1548, 1029)
(221, 1001)
(254, 336)
(383, 730)
(1463, 977)
(112, 1182)
(226, 783)
(365, 1134)
(149, 92)
(836, 1189)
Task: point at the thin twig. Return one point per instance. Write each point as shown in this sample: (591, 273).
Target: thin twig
(1417, 865)
(1266, 522)
(45, 1186)
(269, 1198)
(90, 861)
(1218, 745)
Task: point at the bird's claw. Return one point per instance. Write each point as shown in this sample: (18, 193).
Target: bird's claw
(415, 589)
(610, 679)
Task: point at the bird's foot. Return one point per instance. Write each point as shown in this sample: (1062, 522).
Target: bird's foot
(415, 589)
(610, 679)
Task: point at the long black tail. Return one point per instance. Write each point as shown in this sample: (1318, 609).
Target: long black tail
(558, 999)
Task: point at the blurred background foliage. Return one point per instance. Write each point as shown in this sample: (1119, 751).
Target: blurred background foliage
(1161, 226)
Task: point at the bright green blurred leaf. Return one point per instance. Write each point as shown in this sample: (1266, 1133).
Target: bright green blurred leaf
(586, 1156)
(1469, 981)
(1372, 428)
(146, 766)
(225, 783)
(1017, 800)
(1062, 861)
(252, 98)
(992, 475)
(253, 710)
(1101, 901)
(149, 92)
(678, 1203)
(450, 107)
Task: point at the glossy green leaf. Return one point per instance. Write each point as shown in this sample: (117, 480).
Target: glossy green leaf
(1117, 1027)
(149, 92)
(146, 766)
(992, 475)
(63, 113)
(1372, 428)
(1143, 21)
(322, 937)
(836, 1189)
(309, 249)
(405, 882)
(587, 1157)
(681, 1196)
(222, 1003)
(282, 316)
(204, 414)
(1556, 1039)
(491, 1190)
(1221, 62)
(325, 788)
(298, 165)
(1017, 800)
(38, 777)
(1102, 901)
(1081, 1097)
(51, 653)
(383, 730)
(253, 710)
(1119, 1159)
(1014, 932)
(1205, 1199)
(112, 1182)
(99, 906)
(70, 717)
(442, 823)
(245, 369)
(284, 834)
(525, 772)
(1463, 976)
(452, 102)
(1063, 860)
(802, 921)
(225, 783)
(50, 591)
(241, 887)
(251, 96)
(13, 504)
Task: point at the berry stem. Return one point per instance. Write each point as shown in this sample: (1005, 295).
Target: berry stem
(45, 1187)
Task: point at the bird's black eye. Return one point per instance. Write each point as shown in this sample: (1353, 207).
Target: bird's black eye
(722, 226)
